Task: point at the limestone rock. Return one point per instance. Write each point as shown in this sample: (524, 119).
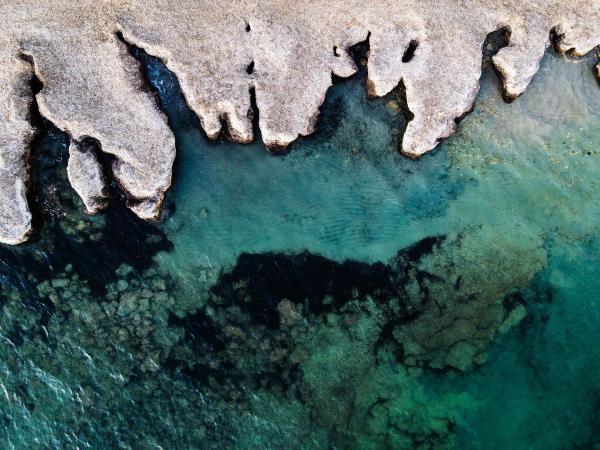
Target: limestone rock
(86, 177)
(15, 134)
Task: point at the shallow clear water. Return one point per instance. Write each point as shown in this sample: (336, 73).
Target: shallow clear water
(468, 315)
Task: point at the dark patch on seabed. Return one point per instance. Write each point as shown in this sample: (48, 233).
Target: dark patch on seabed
(266, 293)
(267, 327)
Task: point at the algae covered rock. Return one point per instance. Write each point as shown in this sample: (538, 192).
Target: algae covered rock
(465, 282)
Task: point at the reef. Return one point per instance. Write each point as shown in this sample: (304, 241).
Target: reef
(340, 359)
(428, 307)
(279, 53)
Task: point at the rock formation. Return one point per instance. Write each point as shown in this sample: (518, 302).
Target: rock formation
(285, 51)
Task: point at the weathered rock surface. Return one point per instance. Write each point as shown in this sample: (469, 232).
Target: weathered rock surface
(86, 176)
(285, 51)
(15, 134)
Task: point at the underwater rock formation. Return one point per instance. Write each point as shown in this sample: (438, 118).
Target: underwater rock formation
(438, 304)
(283, 51)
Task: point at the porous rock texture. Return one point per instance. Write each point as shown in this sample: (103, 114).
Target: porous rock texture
(285, 51)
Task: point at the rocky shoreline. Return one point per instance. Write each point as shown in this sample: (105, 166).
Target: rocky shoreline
(285, 53)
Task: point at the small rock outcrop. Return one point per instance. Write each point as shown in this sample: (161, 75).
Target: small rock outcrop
(285, 51)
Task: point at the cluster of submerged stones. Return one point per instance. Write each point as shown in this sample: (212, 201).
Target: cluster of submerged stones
(298, 328)
(58, 205)
(129, 315)
(428, 307)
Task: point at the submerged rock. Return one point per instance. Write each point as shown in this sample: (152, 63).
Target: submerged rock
(352, 340)
(285, 52)
(459, 301)
(438, 304)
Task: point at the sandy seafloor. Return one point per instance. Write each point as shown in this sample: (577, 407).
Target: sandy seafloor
(119, 334)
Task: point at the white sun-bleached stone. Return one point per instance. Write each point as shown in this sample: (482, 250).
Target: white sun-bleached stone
(15, 135)
(87, 177)
(93, 88)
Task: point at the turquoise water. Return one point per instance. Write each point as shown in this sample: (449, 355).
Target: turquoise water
(335, 296)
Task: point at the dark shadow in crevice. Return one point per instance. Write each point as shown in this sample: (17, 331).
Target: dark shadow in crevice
(170, 99)
(40, 190)
(332, 112)
(165, 86)
(409, 53)
(556, 38)
(359, 53)
(494, 42)
(35, 85)
(254, 114)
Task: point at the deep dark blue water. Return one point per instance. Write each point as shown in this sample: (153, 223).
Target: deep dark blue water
(335, 296)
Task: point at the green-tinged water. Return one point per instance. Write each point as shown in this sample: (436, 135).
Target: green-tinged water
(338, 296)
